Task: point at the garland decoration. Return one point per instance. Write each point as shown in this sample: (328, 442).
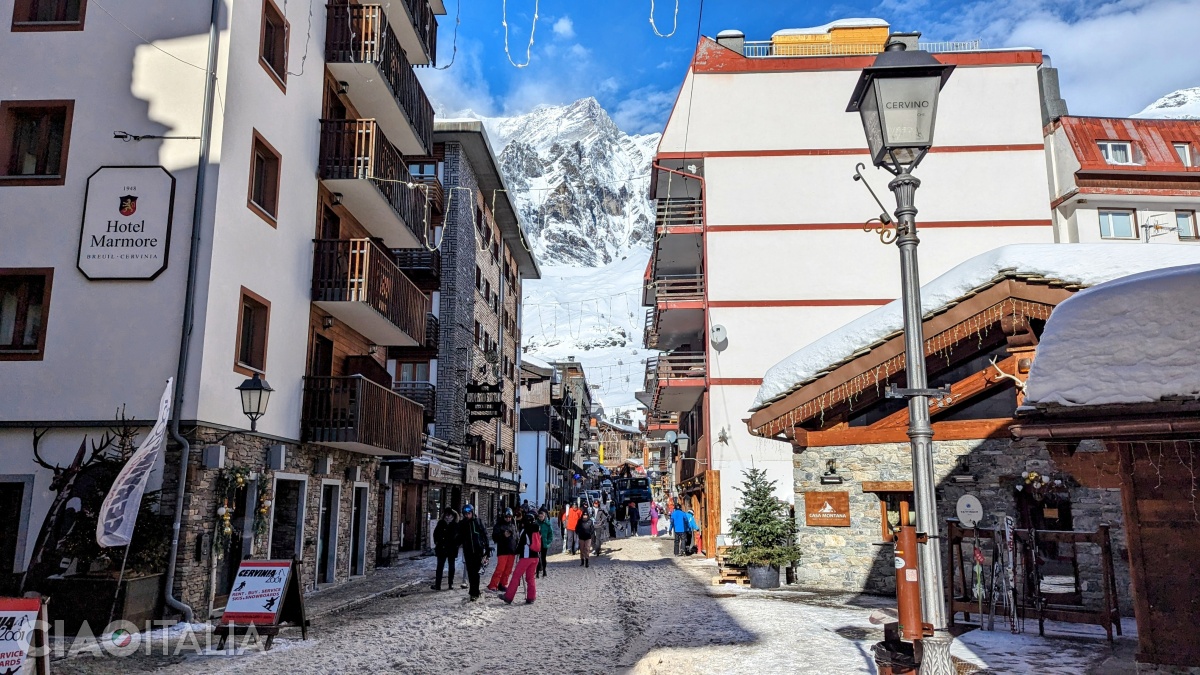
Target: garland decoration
(227, 484)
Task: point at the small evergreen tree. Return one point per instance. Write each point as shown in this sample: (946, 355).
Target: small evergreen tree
(762, 526)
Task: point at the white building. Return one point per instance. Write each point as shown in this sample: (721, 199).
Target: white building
(760, 245)
(308, 132)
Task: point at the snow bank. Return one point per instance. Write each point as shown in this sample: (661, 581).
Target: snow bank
(1083, 264)
(840, 23)
(1132, 340)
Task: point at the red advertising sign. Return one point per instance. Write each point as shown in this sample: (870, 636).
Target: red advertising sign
(18, 617)
(258, 592)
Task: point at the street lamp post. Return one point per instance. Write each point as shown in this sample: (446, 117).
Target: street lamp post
(897, 99)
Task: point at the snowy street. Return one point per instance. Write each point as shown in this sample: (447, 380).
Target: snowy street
(637, 609)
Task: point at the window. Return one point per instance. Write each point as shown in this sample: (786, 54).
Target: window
(1184, 151)
(48, 15)
(413, 372)
(478, 278)
(1118, 225)
(1116, 152)
(33, 141)
(1185, 225)
(478, 334)
(24, 305)
(273, 44)
(253, 317)
(264, 180)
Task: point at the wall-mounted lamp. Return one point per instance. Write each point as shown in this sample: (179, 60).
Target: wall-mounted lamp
(255, 395)
(831, 477)
(337, 199)
(327, 322)
(373, 350)
(343, 86)
(962, 471)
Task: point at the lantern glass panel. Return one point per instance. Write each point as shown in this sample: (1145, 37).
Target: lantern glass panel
(254, 402)
(872, 126)
(907, 106)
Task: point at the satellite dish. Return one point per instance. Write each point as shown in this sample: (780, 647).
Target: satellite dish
(718, 334)
(969, 510)
(671, 436)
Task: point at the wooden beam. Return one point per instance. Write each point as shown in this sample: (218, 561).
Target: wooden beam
(942, 431)
(887, 486)
(960, 392)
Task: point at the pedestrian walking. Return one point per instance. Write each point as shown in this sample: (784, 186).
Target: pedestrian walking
(547, 531)
(476, 549)
(505, 535)
(572, 540)
(585, 529)
(528, 550)
(622, 516)
(653, 519)
(612, 520)
(445, 545)
(634, 518)
(601, 523)
(694, 542)
(679, 526)
(670, 520)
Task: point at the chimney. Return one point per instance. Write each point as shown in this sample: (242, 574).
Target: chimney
(909, 40)
(1053, 105)
(732, 39)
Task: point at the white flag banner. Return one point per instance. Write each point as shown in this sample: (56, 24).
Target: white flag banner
(119, 512)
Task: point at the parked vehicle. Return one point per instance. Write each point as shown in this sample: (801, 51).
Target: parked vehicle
(632, 489)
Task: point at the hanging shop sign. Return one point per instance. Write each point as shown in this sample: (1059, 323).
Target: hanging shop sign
(484, 401)
(126, 231)
(22, 624)
(827, 509)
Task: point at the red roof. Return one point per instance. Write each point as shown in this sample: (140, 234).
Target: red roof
(1152, 141)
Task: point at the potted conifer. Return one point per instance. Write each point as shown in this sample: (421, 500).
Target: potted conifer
(764, 531)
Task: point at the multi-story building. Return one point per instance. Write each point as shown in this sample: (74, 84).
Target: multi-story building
(295, 141)
(759, 246)
(575, 398)
(619, 443)
(543, 439)
(1124, 180)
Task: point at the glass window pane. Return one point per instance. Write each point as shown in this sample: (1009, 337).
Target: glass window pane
(1120, 153)
(8, 312)
(1122, 224)
(1184, 153)
(1185, 221)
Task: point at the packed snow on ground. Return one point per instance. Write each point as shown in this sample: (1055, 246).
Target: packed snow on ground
(1183, 104)
(1084, 264)
(595, 315)
(1132, 340)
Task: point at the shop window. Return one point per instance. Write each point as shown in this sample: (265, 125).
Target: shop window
(264, 180)
(48, 15)
(253, 319)
(273, 43)
(34, 136)
(24, 306)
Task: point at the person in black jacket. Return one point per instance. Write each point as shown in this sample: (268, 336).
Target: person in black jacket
(445, 545)
(477, 551)
(585, 529)
(505, 534)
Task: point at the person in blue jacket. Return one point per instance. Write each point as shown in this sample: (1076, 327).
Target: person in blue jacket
(692, 529)
(679, 524)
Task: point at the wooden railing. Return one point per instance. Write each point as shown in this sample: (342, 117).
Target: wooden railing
(360, 34)
(658, 419)
(450, 455)
(359, 270)
(432, 331)
(424, 393)
(357, 149)
(678, 212)
(649, 334)
(434, 192)
(425, 23)
(683, 287)
(355, 410)
(677, 365)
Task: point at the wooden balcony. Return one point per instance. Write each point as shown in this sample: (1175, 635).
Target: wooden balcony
(356, 281)
(679, 215)
(353, 413)
(676, 380)
(423, 393)
(421, 265)
(364, 52)
(359, 163)
(419, 34)
(433, 192)
(676, 316)
(659, 423)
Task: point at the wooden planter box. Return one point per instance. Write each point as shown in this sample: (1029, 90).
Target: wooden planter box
(74, 600)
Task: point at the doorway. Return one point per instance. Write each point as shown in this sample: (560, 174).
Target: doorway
(327, 533)
(287, 519)
(14, 497)
(358, 529)
(227, 569)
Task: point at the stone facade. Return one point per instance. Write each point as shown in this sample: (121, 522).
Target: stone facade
(850, 559)
(198, 569)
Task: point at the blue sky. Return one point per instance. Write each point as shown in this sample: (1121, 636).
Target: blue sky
(1115, 56)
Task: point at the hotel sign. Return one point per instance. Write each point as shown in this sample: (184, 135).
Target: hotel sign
(126, 231)
(827, 509)
(484, 401)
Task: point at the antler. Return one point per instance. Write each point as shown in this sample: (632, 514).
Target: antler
(1003, 375)
(105, 441)
(37, 457)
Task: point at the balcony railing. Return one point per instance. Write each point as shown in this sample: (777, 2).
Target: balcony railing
(685, 366)
(432, 331)
(678, 212)
(650, 332)
(421, 265)
(360, 271)
(769, 49)
(360, 34)
(448, 454)
(676, 288)
(424, 21)
(433, 192)
(356, 414)
(424, 393)
(358, 150)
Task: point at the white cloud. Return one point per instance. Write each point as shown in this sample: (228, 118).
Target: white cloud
(462, 86)
(564, 28)
(1113, 57)
(644, 111)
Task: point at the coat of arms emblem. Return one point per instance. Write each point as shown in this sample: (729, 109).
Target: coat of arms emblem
(128, 205)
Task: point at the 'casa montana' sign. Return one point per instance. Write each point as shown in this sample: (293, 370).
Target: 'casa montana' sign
(126, 230)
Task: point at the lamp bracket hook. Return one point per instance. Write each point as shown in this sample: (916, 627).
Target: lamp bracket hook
(886, 229)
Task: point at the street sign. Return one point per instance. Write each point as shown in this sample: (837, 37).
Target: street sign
(827, 509)
(484, 401)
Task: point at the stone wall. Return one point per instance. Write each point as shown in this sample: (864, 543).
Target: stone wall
(196, 565)
(850, 559)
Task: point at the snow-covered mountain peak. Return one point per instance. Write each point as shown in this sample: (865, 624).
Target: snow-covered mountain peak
(1181, 104)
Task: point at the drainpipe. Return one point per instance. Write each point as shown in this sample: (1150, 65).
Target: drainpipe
(189, 311)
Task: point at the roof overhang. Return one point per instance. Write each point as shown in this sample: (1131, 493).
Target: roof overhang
(472, 136)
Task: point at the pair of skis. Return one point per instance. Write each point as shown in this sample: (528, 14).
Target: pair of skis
(1003, 576)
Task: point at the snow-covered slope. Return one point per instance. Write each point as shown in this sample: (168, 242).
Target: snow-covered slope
(1182, 104)
(579, 182)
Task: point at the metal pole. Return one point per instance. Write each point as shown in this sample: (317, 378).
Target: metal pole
(935, 650)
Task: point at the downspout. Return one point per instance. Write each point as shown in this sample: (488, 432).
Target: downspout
(189, 311)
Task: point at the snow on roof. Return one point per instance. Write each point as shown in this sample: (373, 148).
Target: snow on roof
(1132, 340)
(840, 23)
(622, 427)
(536, 362)
(1083, 264)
